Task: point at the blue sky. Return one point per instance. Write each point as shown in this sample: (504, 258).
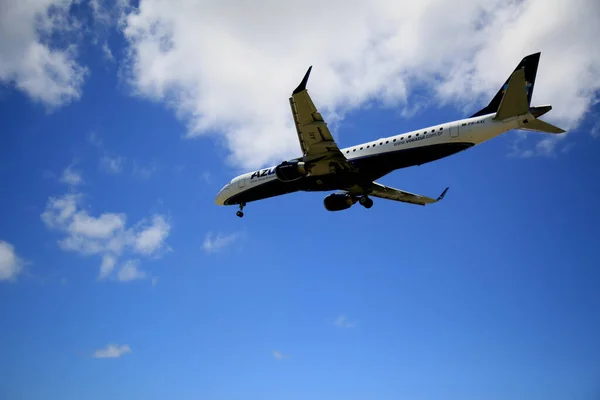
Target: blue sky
(122, 279)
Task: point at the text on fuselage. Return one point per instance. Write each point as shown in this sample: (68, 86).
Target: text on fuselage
(263, 173)
(417, 138)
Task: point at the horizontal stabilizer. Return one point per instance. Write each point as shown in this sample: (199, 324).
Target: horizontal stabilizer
(514, 102)
(540, 126)
(538, 111)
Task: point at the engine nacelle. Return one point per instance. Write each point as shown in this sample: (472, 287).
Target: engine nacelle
(338, 202)
(289, 171)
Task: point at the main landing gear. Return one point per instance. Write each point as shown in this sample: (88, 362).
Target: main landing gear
(240, 213)
(366, 202)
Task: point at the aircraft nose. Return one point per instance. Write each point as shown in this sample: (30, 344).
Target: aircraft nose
(223, 195)
(220, 199)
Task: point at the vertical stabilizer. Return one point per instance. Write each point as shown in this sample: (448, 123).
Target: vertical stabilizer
(529, 64)
(514, 101)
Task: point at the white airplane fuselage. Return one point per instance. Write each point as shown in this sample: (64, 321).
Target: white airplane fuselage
(454, 136)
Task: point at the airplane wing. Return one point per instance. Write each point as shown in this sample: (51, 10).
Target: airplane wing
(390, 193)
(316, 142)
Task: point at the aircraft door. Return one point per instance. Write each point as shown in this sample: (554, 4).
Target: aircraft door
(242, 182)
(454, 130)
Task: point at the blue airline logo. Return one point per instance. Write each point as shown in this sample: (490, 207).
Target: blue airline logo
(263, 173)
(527, 87)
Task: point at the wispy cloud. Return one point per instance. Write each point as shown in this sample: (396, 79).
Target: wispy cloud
(100, 13)
(206, 176)
(278, 355)
(214, 243)
(108, 55)
(107, 266)
(143, 171)
(546, 145)
(130, 271)
(106, 235)
(151, 237)
(11, 265)
(71, 177)
(343, 322)
(112, 165)
(94, 139)
(112, 351)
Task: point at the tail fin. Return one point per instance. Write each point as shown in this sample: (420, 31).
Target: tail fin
(529, 64)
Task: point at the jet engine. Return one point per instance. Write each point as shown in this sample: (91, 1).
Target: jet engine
(338, 201)
(289, 171)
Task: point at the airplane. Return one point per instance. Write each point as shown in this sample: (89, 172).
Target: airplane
(352, 171)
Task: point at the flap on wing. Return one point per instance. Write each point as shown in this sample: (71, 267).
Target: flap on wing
(390, 193)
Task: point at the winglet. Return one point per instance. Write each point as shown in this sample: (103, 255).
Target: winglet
(441, 196)
(302, 84)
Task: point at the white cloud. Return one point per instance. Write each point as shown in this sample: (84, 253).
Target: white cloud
(151, 238)
(107, 15)
(94, 140)
(107, 266)
(112, 351)
(237, 86)
(10, 263)
(106, 235)
(278, 355)
(545, 145)
(213, 244)
(60, 210)
(206, 176)
(343, 322)
(108, 55)
(44, 71)
(113, 165)
(100, 227)
(100, 13)
(71, 177)
(130, 271)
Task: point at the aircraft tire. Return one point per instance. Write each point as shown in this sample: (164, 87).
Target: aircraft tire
(366, 202)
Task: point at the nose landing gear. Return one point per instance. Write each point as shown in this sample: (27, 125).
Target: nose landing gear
(240, 213)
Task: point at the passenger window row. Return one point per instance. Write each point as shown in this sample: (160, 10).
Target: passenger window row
(387, 141)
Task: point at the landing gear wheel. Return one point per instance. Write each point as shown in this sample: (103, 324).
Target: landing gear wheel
(366, 202)
(241, 212)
